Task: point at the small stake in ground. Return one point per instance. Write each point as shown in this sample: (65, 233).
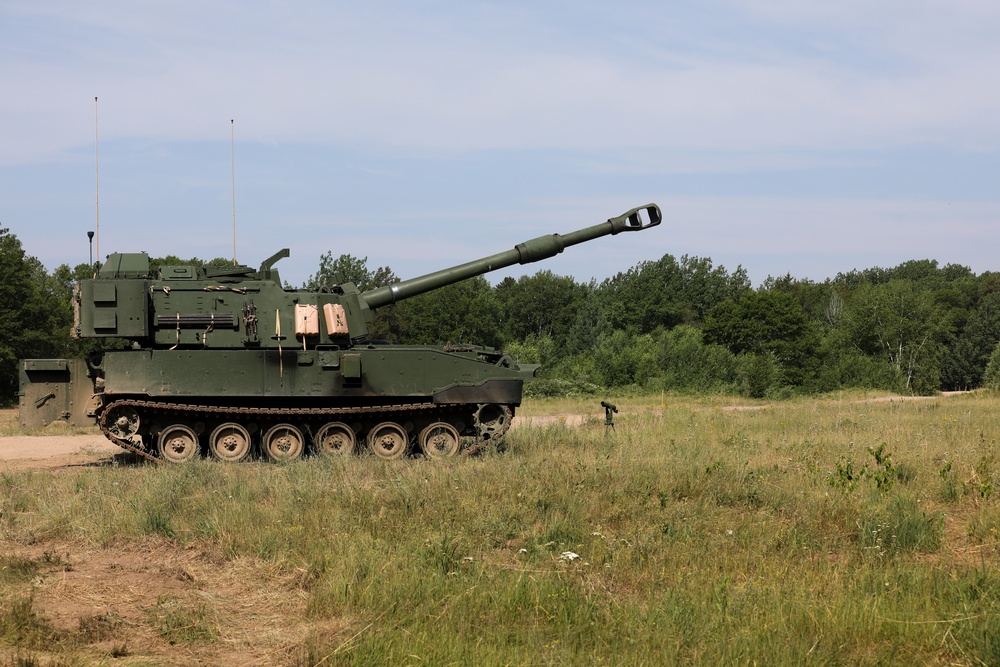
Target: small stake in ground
(609, 416)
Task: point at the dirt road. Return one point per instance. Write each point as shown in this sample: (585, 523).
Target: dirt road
(54, 451)
(36, 452)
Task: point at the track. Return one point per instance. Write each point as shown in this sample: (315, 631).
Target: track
(188, 413)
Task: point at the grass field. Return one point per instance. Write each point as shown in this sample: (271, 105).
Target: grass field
(845, 530)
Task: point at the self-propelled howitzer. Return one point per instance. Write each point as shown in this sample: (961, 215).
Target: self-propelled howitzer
(225, 360)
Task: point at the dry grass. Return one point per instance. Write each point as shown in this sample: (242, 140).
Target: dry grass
(8, 420)
(848, 530)
(9, 425)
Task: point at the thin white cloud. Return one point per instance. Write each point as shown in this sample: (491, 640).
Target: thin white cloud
(812, 237)
(817, 237)
(394, 76)
(634, 88)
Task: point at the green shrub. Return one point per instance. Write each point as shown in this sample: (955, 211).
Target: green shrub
(991, 377)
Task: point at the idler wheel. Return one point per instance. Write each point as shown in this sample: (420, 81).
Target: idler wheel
(230, 442)
(335, 439)
(178, 443)
(388, 440)
(440, 439)
(283, 442)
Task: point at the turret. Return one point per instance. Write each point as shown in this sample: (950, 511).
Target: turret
(235, 307)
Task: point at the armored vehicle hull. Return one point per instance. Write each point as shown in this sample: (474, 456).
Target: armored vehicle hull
(376, 396)
(227, 362)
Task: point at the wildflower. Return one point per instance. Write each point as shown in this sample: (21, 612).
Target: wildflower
(568, 556)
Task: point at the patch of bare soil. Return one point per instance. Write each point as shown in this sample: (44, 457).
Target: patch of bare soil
(38, 452)
(873, 399)
(177, 605)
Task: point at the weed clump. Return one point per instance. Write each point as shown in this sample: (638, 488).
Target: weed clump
(22, 627)
(181, 623)
(899, 525)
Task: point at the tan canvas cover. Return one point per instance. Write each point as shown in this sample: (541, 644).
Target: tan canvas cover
(336, 319)
(306, 319)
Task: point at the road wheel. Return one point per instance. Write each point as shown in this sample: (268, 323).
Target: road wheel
(178, 443)
(335, 439)
(440, 439)
(283, 442)
(230, 442)
(388, 440)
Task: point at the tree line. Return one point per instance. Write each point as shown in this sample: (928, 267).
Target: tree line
(685, 325)
(674, 324)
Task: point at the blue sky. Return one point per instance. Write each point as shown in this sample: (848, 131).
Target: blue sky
(784, 136)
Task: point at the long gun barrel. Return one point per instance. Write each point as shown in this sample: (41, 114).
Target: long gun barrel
(543, 247)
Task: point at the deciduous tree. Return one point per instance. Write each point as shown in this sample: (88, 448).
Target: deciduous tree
(33, 320)
(899, 324)
(766, 323)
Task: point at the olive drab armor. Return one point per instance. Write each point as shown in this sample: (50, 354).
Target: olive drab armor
(225, 361)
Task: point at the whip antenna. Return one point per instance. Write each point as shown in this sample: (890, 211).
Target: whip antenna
(232, 150)
(97, 180)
